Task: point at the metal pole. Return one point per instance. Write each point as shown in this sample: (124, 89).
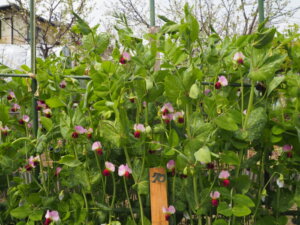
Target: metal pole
(152, 13)
(33, 66)
(261, 11)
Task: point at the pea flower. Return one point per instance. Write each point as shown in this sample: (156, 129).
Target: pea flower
(4, 130)
(109, 168)
(97, 147)
(63, 84)
(47, 112)
(51, 216)
(15, 107)
(78, 130)
(138, 129)
(178, 116)
(32, 163)
(57, 171)
(25, 119)
(89, 133)
(124, 170)
(167, 108)
(239, 58)
(224, 175)
(171, 167)
(125, 58)
(222, 82)
(168, 212)
(215, 195)
(41, 105)
(207, 91)
(11, 95)
(288, 149)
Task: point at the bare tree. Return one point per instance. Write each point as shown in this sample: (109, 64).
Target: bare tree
(227, 17)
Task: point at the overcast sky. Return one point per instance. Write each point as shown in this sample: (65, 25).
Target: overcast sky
(102, 8)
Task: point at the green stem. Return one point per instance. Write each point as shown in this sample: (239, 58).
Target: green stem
(195, 191)
(141, 208)
(242, 95)
(101, 175)
(250, 103)
(128, 199)
(113, 198)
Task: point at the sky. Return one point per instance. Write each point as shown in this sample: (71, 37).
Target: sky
(102, 8)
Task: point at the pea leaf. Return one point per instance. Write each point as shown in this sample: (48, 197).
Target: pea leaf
(203, 155)
(69, 160)
(241, 211)
(21, 212)
(226, 122)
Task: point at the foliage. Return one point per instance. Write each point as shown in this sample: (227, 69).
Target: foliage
(251, 131)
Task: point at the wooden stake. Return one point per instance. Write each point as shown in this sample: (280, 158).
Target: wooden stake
(158, 191)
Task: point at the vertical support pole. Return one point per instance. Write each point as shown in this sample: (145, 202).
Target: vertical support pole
(152, 13)
(261, 11)
(158, 195)
(33, 65)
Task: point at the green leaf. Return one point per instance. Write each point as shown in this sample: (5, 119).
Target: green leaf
(242, 184)
(47, 123)
(256, 123)
(36, 215)
(21, 212)
(55, 102)
(220, 222)
(264, 38)
(173, 87)
(277, 130)
(81, 26)
(224, 209)
(140, 87)
(173, 138)
(194, 91)
(274, 83)
(266, 70)
(243, 200)
(203, 155)
(230, 157)
(143, 187)
(241, 211)
(69, 160)
(226, 122)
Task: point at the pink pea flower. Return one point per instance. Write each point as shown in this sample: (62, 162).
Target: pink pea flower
(32, 163)
(78, 130)
(47, 112)
(178, 116)
(41, 105)
(125, 58)
(167, 108)
(4, 130)
(124, 170)
(215, 195)
(221, 82)
(171, 167)
(224, 175)
(89, 133)
(168, 212)
(57, 171)
(15, 107)
(63, 84)
(25, 119)
(239, 57)
(109, 168)
(138, 129)
(207, 91)
(97, 147)
(288, 149)
(51, 216)
(11, 95)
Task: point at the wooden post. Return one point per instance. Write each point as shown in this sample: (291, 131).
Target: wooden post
(158, 193)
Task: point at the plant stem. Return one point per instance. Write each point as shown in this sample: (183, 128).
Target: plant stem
(113, 198)
(141, 208)
(250, 103)
(128, 199)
